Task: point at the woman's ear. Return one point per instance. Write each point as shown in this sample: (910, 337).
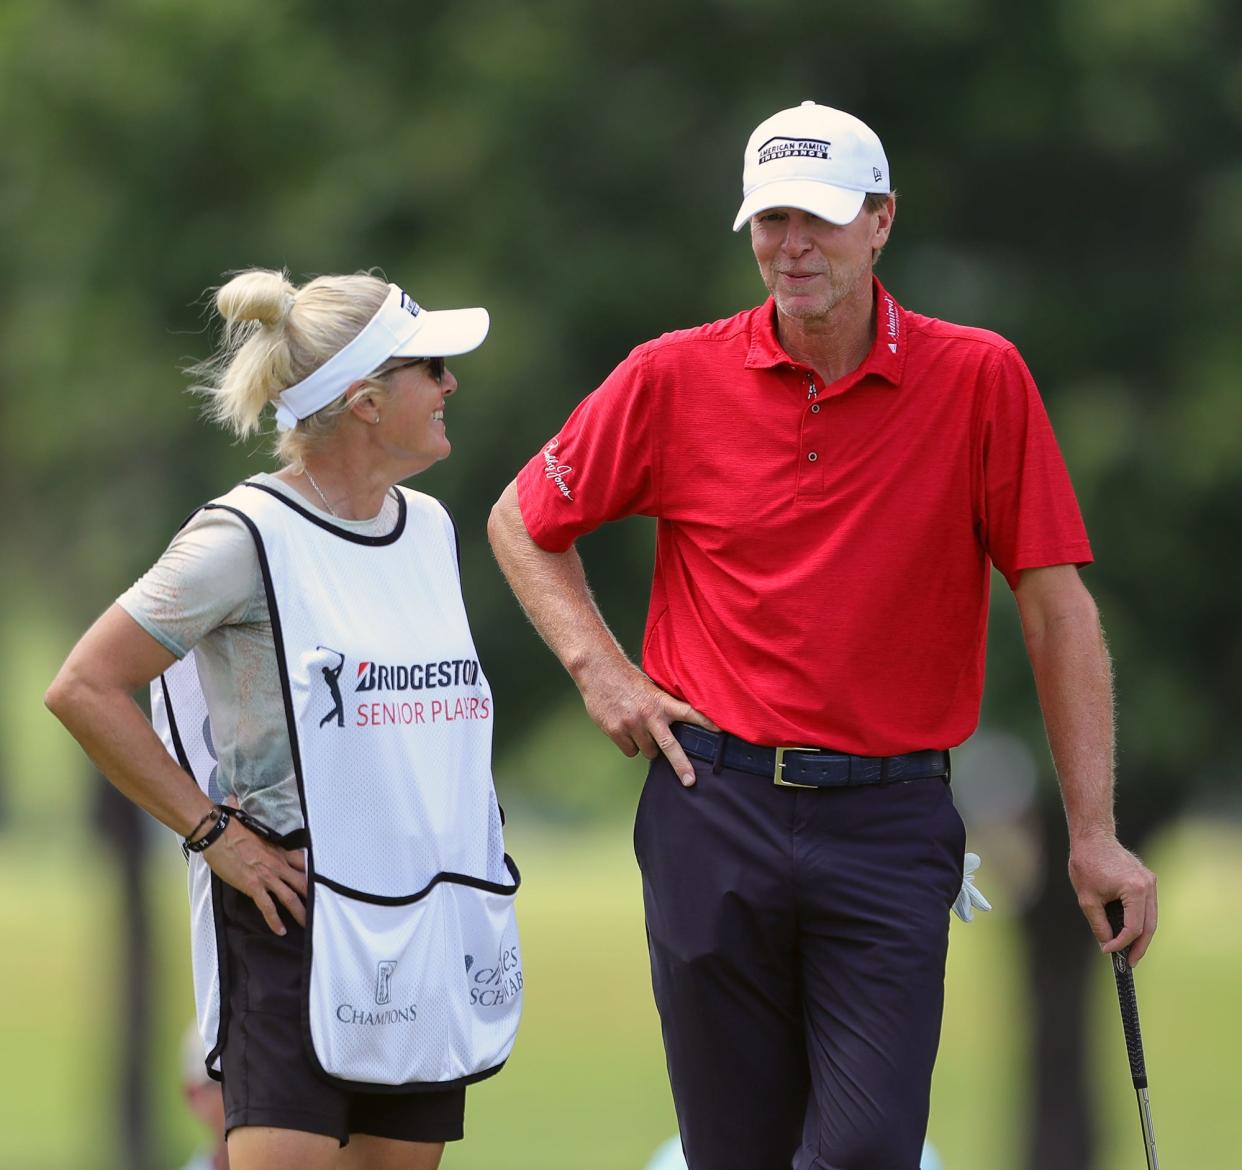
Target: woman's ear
(362, 404)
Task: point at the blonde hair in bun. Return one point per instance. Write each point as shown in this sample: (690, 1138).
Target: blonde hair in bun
(274, 335)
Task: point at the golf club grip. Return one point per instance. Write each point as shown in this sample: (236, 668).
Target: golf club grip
(1127, 999)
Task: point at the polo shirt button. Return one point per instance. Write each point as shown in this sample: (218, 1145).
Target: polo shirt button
(812, 456)
(815, 408)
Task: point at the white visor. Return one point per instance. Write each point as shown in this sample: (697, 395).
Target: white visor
(401, 328)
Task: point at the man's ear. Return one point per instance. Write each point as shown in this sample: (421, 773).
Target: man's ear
(884, 221)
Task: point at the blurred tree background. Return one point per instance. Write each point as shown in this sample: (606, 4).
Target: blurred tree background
(1069, 175)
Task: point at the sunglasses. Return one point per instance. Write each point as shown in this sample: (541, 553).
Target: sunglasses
(435, 367)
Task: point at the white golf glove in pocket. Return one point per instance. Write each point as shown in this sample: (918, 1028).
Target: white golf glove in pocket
(969, 899)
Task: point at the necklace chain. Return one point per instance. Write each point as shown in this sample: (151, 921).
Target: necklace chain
(319, 492)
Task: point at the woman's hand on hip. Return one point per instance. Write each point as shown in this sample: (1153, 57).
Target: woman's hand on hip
(270, 876)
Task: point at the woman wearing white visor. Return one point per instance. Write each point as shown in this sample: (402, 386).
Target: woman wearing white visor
(324, 740)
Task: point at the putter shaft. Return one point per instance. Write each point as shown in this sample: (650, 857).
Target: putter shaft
(1149, 1134)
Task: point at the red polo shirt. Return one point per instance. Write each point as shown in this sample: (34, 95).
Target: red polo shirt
(822, 552)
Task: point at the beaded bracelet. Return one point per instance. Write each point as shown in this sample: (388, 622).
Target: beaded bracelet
(209, 837)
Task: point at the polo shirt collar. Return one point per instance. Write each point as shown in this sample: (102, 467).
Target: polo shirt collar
(886, 360)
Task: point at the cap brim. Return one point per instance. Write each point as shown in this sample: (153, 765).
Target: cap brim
(444, 333)
(837, 205)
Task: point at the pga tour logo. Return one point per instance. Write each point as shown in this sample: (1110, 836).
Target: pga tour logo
(383, 980)
(346, 1013)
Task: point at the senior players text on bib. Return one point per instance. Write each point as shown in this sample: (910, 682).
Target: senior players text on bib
(414, 970)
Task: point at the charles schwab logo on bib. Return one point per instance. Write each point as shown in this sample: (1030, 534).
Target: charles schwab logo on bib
(494, 984)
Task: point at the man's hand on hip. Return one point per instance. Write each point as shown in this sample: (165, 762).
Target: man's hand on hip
(1103, 870)
(635, 714)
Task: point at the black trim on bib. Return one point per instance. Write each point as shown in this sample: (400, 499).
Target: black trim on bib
(456, 539)
(182, 758)
(411, 1087)
(278, 642)
(278, 639)
(222, 965)
(445, 875)
(388, 538)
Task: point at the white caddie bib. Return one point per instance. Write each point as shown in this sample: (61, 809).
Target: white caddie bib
(413, 969)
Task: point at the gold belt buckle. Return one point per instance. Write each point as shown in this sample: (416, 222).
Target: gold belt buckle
(778, 773)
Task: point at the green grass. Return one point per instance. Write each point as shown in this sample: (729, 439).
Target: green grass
(586, 1084)
(585, 1088)
(56, 980)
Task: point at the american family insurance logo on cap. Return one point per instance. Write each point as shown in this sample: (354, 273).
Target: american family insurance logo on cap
(781, 147)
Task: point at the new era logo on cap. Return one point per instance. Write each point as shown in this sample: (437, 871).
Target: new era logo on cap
(813, 158)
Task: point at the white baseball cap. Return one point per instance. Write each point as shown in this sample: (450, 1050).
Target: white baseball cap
(814, 158)
(401, 328)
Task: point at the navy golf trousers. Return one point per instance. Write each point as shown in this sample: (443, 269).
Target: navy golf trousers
(798, 941)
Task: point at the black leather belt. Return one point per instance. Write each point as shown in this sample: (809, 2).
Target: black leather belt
(802, 767)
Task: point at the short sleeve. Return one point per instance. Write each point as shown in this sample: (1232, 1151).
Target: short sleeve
(600, 466)
(206, 578)
(1031, 516)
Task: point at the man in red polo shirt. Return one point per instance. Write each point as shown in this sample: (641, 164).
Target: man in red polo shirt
(833, 477)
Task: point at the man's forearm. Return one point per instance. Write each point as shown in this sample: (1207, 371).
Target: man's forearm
(1073, 676)
(552, 589)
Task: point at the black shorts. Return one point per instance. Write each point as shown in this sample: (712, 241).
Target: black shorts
(268, 1077)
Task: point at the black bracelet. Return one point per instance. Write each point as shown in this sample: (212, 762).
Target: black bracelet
(256, 826)
(209, 837)
(210, 814)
